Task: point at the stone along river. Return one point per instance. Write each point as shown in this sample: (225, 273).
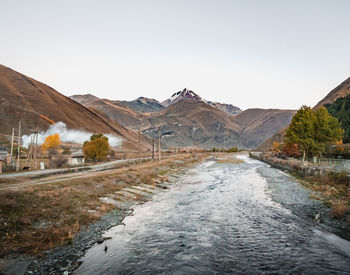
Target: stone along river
(222, 217)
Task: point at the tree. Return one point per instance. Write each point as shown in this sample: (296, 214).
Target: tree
(97, 148)
(301, 130)
(51, 143)
(276, 146)
(340, 146)
(312, 130)
(327, 130)
(291, 150)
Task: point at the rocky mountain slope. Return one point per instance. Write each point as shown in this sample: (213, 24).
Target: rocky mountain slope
(144, 105)
(340, 91)
(26, 99)
(227, 108)
(114, 109)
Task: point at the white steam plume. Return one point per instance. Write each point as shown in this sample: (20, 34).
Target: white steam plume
(68, 135)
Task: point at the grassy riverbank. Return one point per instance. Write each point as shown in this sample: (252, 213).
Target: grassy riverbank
(37, 218)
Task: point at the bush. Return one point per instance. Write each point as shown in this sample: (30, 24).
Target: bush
(339, 178)
(232, 150)
(291, 150)
(58, 162)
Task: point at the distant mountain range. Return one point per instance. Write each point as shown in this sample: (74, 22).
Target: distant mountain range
(148, 105)
(193, 121)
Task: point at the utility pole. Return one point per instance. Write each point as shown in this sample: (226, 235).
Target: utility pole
(139, 145)
(12, 139)
(30, 151)
(160, 158)
(19, 144)
(152, 149)
(36, 149)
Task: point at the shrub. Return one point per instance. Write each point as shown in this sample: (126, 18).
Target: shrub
(232, 150)
(291, 150)
(58, 162)
(338, 210)
(339, 177)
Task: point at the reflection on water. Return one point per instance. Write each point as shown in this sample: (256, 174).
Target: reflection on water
(222, 218)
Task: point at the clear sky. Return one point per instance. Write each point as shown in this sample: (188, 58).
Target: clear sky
(269, 54)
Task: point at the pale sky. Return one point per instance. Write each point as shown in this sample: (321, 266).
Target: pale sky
(268, 54)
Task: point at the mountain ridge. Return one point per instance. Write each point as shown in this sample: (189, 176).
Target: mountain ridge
(197, 123)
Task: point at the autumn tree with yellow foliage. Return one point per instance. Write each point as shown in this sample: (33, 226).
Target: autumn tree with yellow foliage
(97, 149)
(51, 143)
(276, 146)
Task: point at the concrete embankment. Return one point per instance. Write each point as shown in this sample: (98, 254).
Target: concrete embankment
(293, 165)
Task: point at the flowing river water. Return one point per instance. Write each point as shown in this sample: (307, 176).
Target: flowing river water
(245, 218)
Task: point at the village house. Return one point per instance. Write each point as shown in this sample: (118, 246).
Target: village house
(76, 158)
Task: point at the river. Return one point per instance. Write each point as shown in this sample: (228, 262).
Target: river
(245, 218)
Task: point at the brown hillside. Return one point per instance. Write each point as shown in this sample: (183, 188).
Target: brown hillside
(195, 123)
(25, 99)
(260, 124)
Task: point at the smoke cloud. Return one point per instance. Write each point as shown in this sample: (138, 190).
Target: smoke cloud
(68, 135)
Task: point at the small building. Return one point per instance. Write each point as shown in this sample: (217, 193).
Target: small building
(76, 158)
(4, 158)
(3, 153)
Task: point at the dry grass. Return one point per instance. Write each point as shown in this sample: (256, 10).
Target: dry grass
(39, 217)
(333, 189)
(230, 160)
(339, 209)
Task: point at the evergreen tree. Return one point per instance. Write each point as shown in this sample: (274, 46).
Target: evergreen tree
(341, 110)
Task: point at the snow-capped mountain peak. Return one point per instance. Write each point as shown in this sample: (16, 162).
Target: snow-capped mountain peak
(181, 95)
